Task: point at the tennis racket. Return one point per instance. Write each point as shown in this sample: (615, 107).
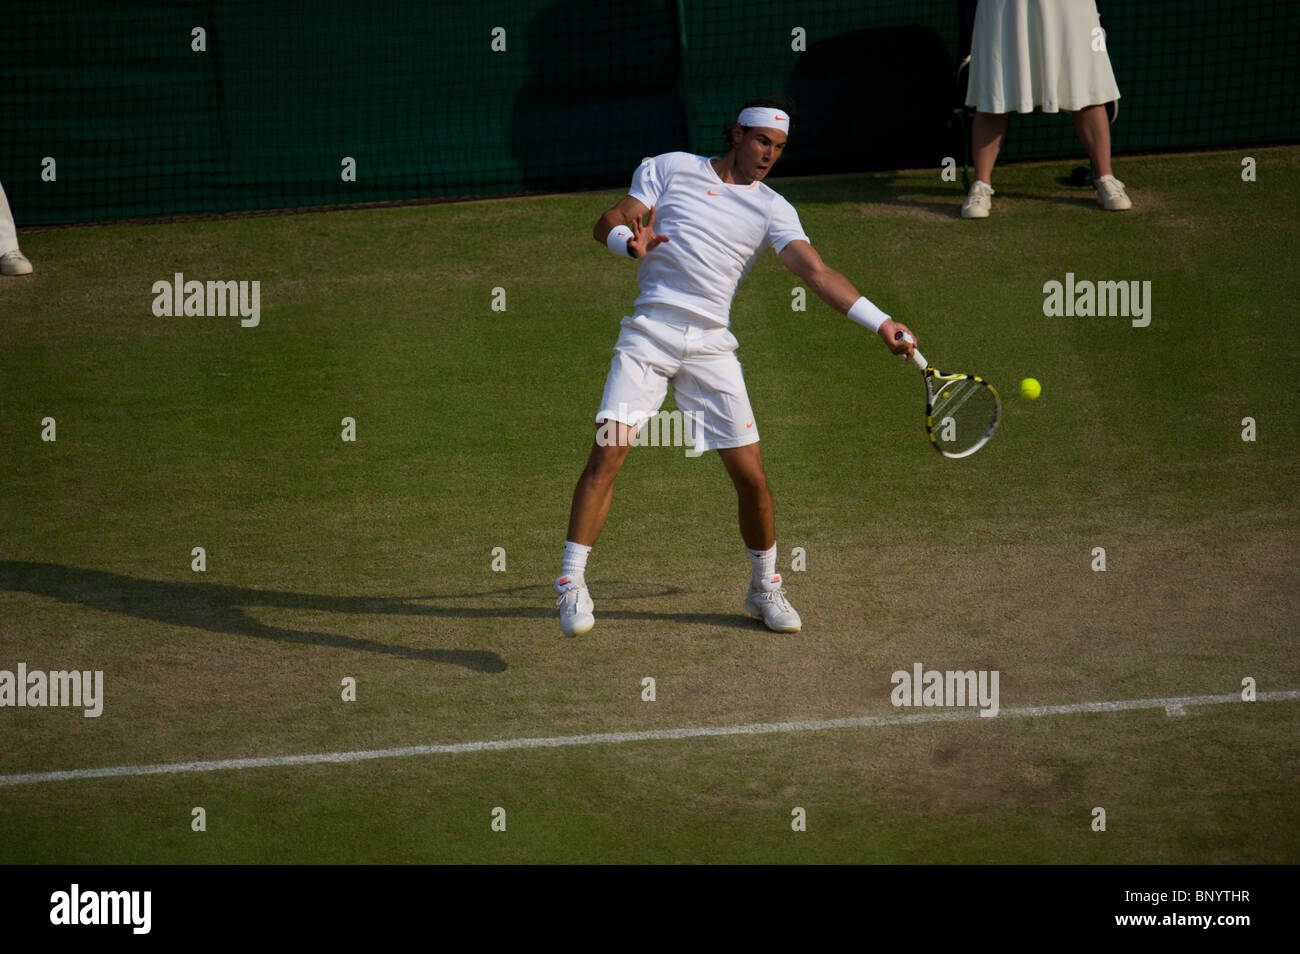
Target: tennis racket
(961, 410)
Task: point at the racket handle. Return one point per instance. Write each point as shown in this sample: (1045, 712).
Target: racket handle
(917, 359)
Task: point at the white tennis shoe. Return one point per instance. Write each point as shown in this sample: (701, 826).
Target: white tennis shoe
(15, 263)
(576, 616)
(1111, 195)
(978, 202)
(767, 602)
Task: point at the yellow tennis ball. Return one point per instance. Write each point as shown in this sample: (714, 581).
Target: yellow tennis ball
(1029, 388)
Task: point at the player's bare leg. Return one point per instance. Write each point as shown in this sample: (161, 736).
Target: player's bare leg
(986, 134)
(757, 509)
(592, 499)
(594, 494)
(1093, 126)
(766, 599)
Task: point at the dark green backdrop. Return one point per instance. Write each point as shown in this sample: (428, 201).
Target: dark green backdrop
(140, 124)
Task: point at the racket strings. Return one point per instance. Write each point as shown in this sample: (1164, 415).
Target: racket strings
(963, 415)
(955, 394)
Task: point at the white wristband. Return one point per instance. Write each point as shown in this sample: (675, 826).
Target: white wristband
(617, 240)
(867, 314)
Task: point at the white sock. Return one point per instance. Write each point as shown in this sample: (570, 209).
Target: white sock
(764, 562)
(575, 560)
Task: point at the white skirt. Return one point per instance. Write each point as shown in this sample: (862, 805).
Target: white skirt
(1027, 53)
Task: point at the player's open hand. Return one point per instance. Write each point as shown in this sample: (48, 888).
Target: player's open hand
(898, 337)
(644, 240)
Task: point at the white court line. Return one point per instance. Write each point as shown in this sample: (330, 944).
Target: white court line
(1172, 706)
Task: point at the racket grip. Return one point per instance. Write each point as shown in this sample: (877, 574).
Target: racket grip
(917, 359)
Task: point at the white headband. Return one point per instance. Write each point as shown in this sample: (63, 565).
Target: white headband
(766, 117)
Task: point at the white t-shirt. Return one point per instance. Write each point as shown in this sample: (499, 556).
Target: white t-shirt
(717, 231)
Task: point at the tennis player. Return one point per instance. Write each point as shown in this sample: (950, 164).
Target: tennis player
(1049, 54)
(708, 221)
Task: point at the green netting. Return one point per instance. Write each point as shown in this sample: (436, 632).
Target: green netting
(138, 123)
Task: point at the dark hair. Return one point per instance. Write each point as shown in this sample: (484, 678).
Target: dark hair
(780, 101)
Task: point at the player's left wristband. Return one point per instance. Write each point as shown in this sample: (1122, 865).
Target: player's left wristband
(867, 314)
(617, 240)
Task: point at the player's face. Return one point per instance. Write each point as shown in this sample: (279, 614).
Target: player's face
(757, 151)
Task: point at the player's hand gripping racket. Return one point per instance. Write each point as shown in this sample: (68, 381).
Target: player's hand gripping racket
(961, 410)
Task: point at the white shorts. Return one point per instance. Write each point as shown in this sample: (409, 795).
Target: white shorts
(661, 344)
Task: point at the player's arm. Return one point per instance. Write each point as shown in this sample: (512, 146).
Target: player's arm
(634, 238)
(838, 292)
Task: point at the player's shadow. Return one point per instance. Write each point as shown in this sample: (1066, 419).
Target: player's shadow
(543, 594)
(218, 608)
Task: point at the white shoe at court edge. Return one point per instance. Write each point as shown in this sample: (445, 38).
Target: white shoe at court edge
(767, 602)
(1111, 195)
(15, 263)
(978, 202)
(576, 616)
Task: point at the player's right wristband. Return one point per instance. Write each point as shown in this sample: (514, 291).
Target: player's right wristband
(867, 314)
(617, 240)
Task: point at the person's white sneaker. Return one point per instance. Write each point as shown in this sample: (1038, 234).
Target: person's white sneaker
(978, 201)
(575, 605)
(15, 263)
(767, 602)
(1111, 195)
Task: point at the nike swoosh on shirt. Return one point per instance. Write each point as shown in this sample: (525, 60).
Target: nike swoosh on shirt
(711, 192)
